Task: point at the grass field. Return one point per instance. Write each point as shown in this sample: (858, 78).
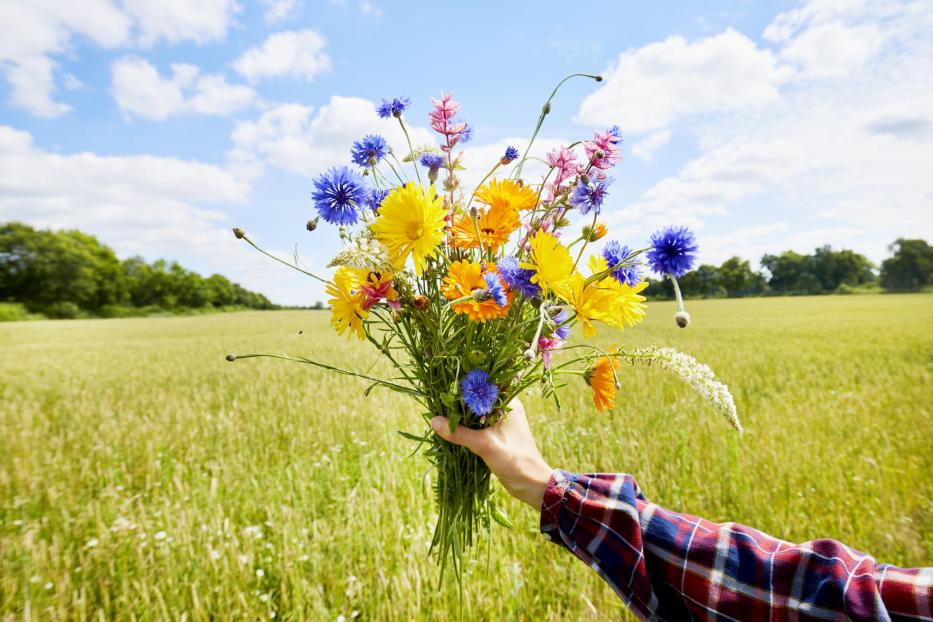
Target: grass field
(143, 477)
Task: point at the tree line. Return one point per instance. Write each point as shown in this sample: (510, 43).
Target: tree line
(825, 271)
(65, 274)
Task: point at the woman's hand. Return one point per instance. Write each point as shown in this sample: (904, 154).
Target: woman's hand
(509, 450)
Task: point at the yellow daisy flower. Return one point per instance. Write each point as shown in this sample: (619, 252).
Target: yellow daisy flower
(495, 225)
(508, 193)
(591, 302)
(551, 262)
(602, 380)
(346, 304)
(629, 308)
(463, 278)
(411, 223)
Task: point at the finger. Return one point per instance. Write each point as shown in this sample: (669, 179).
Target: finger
(474, 440)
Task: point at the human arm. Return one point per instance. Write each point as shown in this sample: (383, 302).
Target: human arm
(676, 566)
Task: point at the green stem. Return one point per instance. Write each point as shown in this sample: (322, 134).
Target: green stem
(282, 261)
(411, 150)
(545, 110)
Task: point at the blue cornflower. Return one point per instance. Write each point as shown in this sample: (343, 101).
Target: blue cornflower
(494, 289)
(337, 193)
(590, 197)
(616, 132)
(560, 316)
(466, 135)
(518, 279)
(511, 154)
(393, 107)
(478, 393)
(431, 160)
(374, 198)
(673, 251)
(615, 253)
(369, 150)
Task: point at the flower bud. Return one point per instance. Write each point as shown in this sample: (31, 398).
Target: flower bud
(476, 358)
(597, 232)
(231, 357)
(546, 109)
(420, 302)
(682, 318)
(311, 224)
(239, 233)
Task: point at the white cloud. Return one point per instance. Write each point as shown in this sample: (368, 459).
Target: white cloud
(646, 148)
(174, 21)
(845, 160)
(650, 87)
(140, 204)
(305, 141)
(38, 30)
(139, 90)
(278, 10)
(369, 9)
(298, 53)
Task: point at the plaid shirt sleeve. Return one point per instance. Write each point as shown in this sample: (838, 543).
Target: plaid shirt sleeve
(671, 566)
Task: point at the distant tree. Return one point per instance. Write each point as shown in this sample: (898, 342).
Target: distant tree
(43, 268)
(738, 278)
(318, 305)
(71, 274)
(834, 268)
(910, 269)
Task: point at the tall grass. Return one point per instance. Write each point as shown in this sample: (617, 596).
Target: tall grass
(142, 477)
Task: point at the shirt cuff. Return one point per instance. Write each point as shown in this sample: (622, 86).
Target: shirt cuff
(553, 501)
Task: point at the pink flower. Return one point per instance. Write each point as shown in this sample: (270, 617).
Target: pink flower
(376, 294)
(565, 161)
(547, 346)
(603, 151)
(443, 122)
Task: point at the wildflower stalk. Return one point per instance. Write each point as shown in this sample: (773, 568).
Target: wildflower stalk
(545, 110)
(411, 149)
(242, 236)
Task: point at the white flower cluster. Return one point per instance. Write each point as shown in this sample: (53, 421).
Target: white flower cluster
(694, 373)
(364, 251)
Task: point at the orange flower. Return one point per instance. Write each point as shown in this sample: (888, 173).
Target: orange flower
(465, 277)
(512, 194)
(495, 226)
(601, 377)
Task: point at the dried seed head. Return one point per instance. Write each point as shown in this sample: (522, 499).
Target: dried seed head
(239, 233)
(682, 318)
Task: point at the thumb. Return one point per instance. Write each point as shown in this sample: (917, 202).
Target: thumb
(469, 438)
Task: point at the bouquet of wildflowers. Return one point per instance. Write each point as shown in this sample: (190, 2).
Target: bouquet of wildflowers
(472, 293)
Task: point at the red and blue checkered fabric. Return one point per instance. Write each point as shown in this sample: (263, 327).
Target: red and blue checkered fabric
(671, 566)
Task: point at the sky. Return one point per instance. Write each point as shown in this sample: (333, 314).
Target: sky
(158, 125)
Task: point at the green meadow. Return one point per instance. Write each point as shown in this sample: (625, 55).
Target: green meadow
(142, 477)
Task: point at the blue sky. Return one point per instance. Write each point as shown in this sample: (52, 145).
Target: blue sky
(158, 125)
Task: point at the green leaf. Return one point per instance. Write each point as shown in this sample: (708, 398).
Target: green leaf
(453, 420)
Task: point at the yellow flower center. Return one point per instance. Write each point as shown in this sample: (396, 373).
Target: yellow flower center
(415, 231)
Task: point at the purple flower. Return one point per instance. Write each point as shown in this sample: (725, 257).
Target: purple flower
(393, 107)
(673, 251)
(478, 393)
(614, 254)
(560, 316)
(431, 161)
(511, 154)
(616, 132)
(494, 289)
(466, 135)
(369, 150)
(374, 198)
(337, 194)
(589, 197)
(518, 279)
